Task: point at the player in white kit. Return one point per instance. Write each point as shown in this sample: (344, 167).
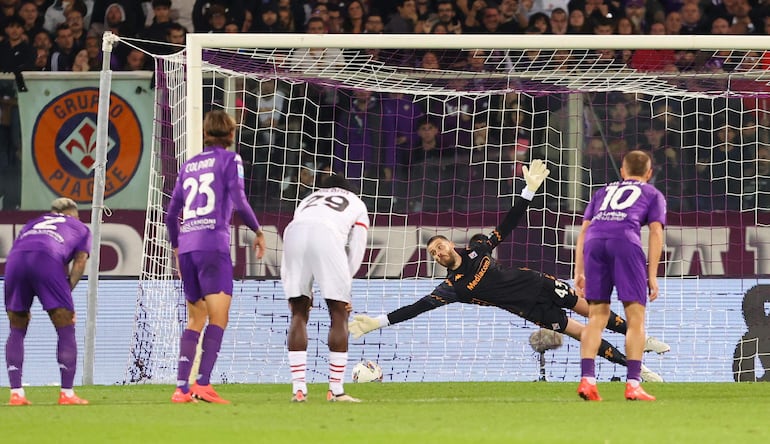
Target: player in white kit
(325, 243)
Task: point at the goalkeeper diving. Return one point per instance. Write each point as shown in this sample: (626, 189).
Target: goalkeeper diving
(474, 277)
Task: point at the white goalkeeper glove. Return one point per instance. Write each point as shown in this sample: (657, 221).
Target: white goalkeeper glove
(363, 324)
(535, 174)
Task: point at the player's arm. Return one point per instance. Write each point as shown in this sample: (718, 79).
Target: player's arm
(534, 175)
(357, 243)
(580, 277)
(77, 268)
(363, 324)
(172, 215)
(439, 297)
(655, 249)
(233, 173)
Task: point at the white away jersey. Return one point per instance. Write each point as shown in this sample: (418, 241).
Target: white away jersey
(336, 208)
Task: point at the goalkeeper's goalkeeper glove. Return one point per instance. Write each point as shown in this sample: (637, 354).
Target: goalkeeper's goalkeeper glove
(363, 324)
(535, 174)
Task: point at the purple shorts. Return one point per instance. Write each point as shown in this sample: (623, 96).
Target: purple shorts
(31, 273)
(613, 262)
(204, 273)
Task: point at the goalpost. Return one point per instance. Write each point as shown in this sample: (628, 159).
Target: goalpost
(308, 104)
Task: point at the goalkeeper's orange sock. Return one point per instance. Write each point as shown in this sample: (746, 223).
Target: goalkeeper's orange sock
(616, 323)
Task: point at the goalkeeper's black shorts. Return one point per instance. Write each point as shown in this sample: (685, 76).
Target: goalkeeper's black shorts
(550, 309)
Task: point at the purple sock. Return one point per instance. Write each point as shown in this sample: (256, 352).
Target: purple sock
(634, 370)
(187, 345)
(212, 341)
(587, 368)
(67, 355)
(14, 355)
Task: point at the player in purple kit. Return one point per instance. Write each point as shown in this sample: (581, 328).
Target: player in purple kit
(47, 260)
(609, 253)
(208, 187)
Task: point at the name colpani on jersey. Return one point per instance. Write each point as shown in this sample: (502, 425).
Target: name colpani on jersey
(205, 164)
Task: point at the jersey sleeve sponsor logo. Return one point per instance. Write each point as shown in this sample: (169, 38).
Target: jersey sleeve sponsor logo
(64, 144)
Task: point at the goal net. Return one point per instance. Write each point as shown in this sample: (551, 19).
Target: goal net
(434, 131)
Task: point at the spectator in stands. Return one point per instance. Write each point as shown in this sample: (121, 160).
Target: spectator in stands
(427, 177)
(33, 20)
(490, 23)
(176, 34)
(400, 113)
(361, 151)
(55, 13)
(182, 12)
(42, 59)
(232, 8)
(540, 22)
(666, 163)
(577, 22)
(447, 16)
(430, 60)
(692, 19)
(93, 48)
(81, 63)
(403, 21)
(720, 26)
(335, 19)
(122, 17)
(64, 51)
(603, 26)
(353, 20)
(374, 23)
(722, 166)
(624, 26)
(673, 23)
(655, 60)
(74, 18)
(216, 18)
(16, 54)
(286, 20)
(636, 11)
(161, 10)
(559, 22)
(136, 60)
(269, 19)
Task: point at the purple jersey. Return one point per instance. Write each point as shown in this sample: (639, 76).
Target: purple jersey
(208, 187)
(56, 235)
(620, 209)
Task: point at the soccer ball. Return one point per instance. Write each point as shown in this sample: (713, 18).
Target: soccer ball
(367, 371)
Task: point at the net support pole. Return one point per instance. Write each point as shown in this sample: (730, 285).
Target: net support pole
(97, 205)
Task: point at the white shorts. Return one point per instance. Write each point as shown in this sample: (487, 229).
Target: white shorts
(312, 252)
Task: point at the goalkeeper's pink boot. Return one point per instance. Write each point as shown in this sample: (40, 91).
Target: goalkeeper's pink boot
(637, 393)
(207, 393)
(588, 391)
(71, 400)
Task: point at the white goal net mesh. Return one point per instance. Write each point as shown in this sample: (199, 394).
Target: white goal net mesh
(435, 138)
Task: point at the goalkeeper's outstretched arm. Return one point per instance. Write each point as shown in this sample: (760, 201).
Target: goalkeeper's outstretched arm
(363, 324)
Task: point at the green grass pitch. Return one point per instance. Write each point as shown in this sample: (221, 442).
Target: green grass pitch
(398, 413)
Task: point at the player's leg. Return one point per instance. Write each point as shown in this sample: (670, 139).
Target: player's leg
(297, 265)
(297, 345)
(53, 291)
(215, 277)
(18, 293)
(63, 320)
(196, 320)
(631, 283)
(615, 322)
(338, 348)
(14, 355)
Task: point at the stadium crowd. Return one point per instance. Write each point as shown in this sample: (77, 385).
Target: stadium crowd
(65, 35)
